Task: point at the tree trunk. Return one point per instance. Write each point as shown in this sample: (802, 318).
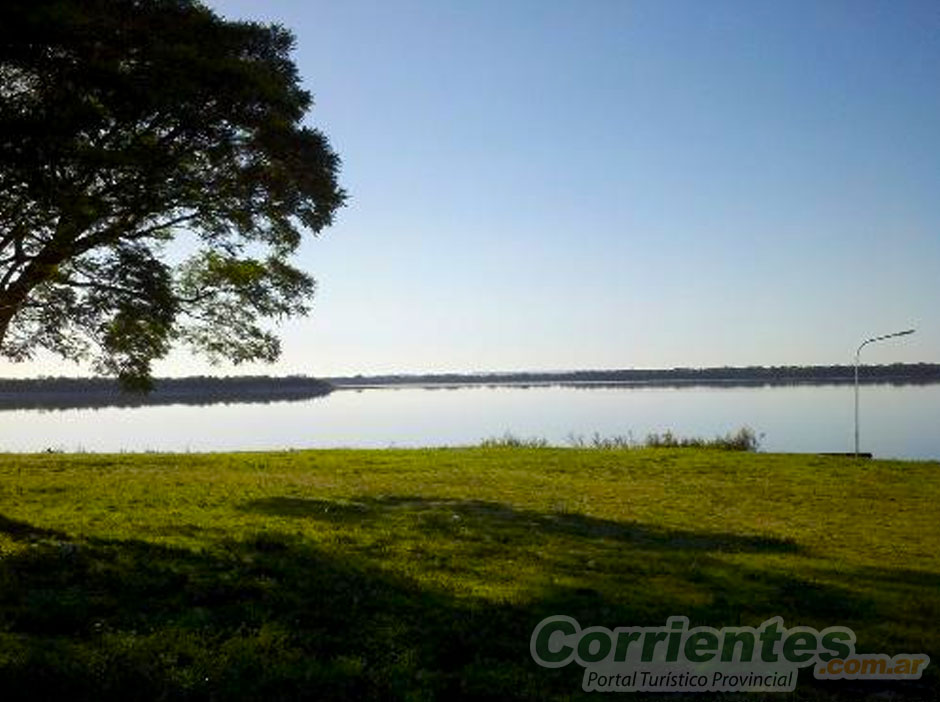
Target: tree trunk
(7, 310)
(37, 271)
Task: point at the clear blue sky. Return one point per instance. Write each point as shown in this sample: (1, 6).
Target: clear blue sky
(613, 184)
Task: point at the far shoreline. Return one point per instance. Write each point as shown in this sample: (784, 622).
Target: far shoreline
(58, 393)
(590, 384)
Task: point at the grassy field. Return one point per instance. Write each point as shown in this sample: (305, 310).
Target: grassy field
(420, 574)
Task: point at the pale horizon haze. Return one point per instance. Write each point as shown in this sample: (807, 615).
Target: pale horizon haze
(614, 184)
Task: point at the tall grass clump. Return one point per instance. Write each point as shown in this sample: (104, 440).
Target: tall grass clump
(744, 439)
(509, 440)
(598, 441)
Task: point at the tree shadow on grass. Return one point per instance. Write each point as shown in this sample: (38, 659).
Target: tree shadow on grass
(271, 616)
(448, 515)
(653, 571)
(23, 531)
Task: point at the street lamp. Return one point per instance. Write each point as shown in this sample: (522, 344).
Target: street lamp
(857, 352)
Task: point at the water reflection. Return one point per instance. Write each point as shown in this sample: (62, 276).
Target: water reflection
(896, 421)
(92, 393)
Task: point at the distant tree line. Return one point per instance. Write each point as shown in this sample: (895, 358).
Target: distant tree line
(67, 393)
(901, 373)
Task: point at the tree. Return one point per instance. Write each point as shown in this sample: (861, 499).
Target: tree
(155, 177)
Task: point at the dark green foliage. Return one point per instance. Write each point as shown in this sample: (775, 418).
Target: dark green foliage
(123, 123)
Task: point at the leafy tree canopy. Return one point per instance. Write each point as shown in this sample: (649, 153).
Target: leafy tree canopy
(126, 125)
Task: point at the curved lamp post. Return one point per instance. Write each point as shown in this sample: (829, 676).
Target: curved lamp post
(857, 352)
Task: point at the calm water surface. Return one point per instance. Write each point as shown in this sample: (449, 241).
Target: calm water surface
(902, 422)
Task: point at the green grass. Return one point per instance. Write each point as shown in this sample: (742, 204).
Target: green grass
(420, 574)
